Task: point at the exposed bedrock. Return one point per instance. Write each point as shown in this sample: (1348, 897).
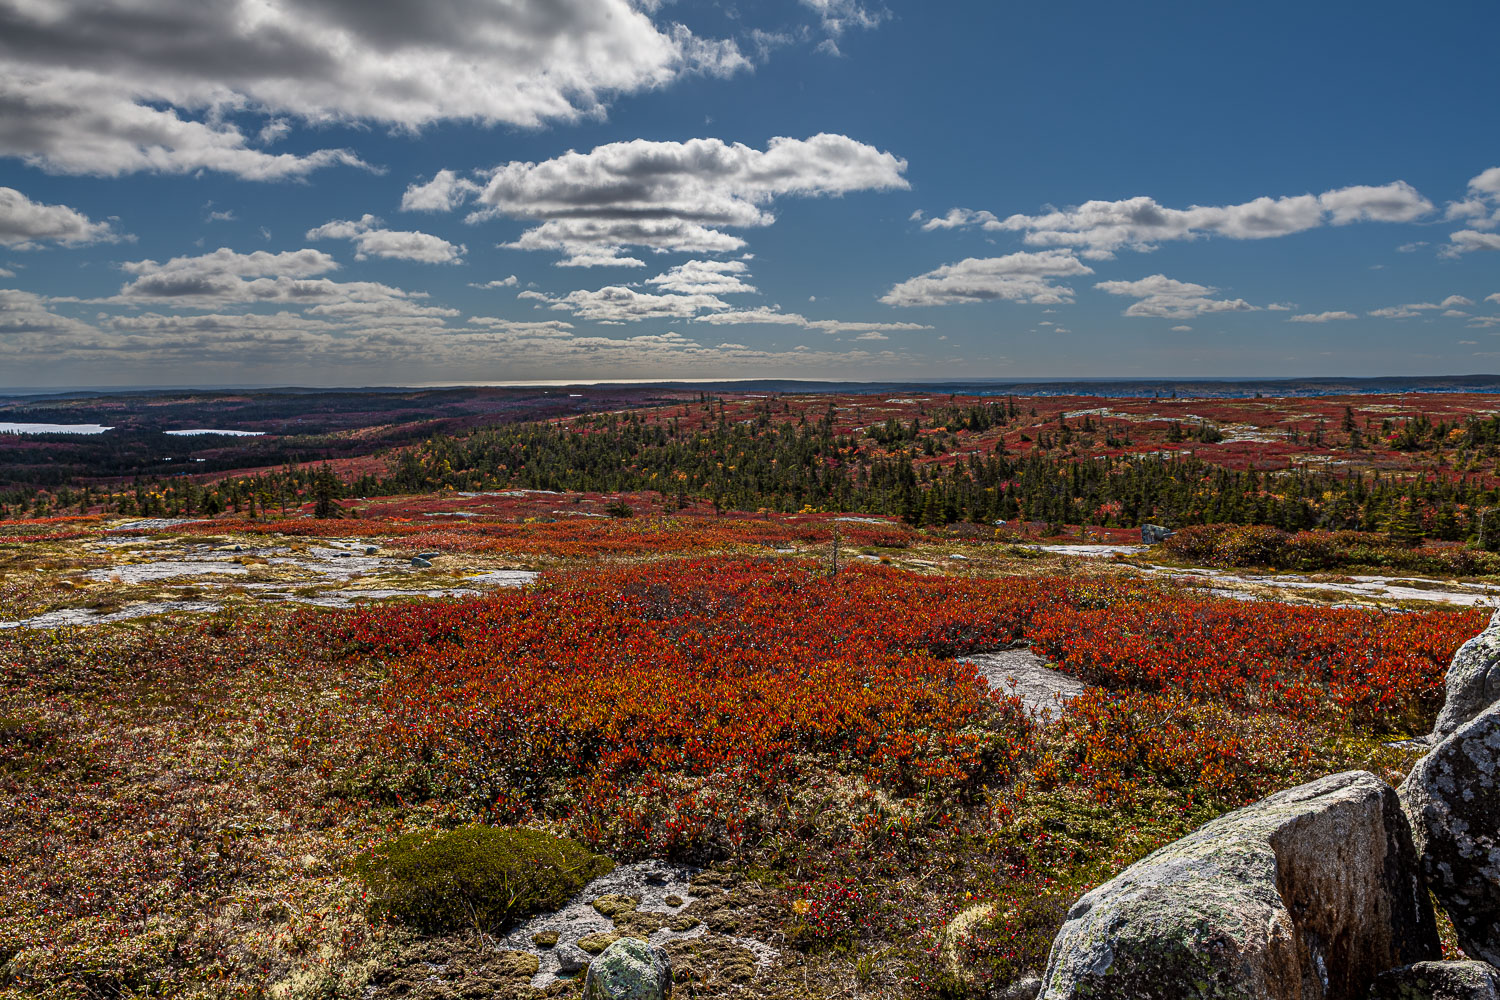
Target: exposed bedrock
(1438, 981)
(1307, 894)
(1473, 683)
(1452, 797)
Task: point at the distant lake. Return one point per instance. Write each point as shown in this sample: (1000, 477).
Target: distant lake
(10, 428)
(210, 430)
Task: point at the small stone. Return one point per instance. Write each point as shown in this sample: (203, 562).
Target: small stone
(614, 903)
(629, 970)
(674, 900)
(544, 939)
(370, 550)
(1438, 981)
(421, 563)
(596, 943)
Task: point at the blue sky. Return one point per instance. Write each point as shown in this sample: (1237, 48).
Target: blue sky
(355, 192)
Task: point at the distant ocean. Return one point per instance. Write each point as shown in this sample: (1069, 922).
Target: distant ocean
(1138, 388)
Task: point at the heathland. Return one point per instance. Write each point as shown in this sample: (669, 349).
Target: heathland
(725, 633)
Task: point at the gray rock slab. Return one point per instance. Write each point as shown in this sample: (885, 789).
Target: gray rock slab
(1305, 895)
(1473, 681)
(1026, 675)
(1438, 981)
(1453, 799)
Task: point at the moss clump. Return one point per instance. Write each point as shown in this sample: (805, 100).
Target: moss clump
(475, 877)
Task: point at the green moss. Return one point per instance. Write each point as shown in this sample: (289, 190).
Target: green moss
(476, 877)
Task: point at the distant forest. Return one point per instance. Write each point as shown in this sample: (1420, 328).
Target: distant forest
(915, 469)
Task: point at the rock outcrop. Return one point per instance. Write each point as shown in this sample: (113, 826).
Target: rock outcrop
(1473, 681)
(1438, 981)
(1452, 797)
(1308, 894)
(1151, 534)
(629, 969)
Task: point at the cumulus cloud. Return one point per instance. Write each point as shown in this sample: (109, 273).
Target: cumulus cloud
(707, 276)
(370, 240)
(445, 192)
(1180, 328)
(1140, 223)
(621, 304)
(290, 278)
(959, 218)
(507, 282)
(672, 196)
(1411, 309)
(1467, 240)
(27, 224)
(1322, 317)
(1166, 298)
(112, 86)
(1481, 210)
(1017, 277)
(773, 316)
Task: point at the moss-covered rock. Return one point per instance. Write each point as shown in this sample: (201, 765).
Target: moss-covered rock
(476, 877)
(614, 903)
(629, 970)
(1439, 981)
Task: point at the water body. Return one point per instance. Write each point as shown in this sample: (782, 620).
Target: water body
(194, 431)
(6, 427)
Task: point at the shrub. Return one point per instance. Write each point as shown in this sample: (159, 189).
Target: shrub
(476, 877)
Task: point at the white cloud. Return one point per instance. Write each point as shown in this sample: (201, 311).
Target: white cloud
(958, 218)
(372, 241)
(620, 304)
(773, 316)
(1322, 317)
(1466, 240)
(1493, 298)
(1181, 329)
(1140, 223)
(706, 276)
(105, 86)
(1396, 202)
(506, 282)
(27, 224)
(1411, 309)
(1167, 298)
(5, 273)
(1279, 307)
(1017, 277)
(673, 196)
(290, 278)
(1481, 209)
(839, 16)
(445, 192)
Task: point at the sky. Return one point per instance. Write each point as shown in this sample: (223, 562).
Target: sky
(386, 192)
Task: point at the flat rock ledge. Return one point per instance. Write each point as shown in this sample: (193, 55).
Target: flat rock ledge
(1439, 981)
(1305, 895)
(1473, 681)
(1026, 675)
(1453, 799)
